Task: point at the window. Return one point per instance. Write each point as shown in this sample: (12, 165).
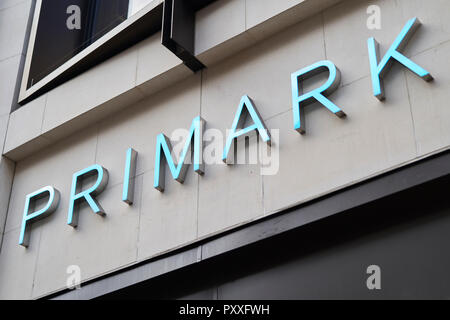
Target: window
(70, 36)
(63, 29)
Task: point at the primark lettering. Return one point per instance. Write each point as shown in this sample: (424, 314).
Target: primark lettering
(378, 68)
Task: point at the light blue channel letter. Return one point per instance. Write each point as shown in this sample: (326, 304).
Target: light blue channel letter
(89, 194)
(129, 175)
(29, 218)
(163, 146)
(246, 107)
(379, 70)
(301, 100)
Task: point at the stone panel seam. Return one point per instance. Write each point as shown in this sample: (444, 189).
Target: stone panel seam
(354, 81)
(262, 187)
(97, 133)
(430, 48)
(6, 134)
(11, 57)
(141, 198)
(7, 204)
(411, 113)
(278, 114)
(43, 113)
(36, 263)
(245, 15)
(322, 15)
(137, 68)
(198, 177)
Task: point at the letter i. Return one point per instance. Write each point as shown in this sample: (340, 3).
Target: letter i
(130, 173)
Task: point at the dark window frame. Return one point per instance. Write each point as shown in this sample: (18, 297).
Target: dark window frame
(174, 18)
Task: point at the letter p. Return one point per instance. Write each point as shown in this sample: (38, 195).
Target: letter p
(29, 218)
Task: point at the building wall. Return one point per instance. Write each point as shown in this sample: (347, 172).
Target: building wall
(376, 136)
(14, 20)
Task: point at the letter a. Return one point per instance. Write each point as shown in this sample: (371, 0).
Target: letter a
(239, 121)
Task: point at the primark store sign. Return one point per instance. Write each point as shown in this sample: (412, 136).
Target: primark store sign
(379, 67)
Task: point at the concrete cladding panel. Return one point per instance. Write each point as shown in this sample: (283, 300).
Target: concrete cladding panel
(374, 137)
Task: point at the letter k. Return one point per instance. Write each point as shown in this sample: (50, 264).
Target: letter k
(379, 70)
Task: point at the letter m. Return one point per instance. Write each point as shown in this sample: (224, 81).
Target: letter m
(163, 146)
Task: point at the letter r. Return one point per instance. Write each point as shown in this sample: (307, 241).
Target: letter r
(89, 194)
(28, 218)
(301, 100)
